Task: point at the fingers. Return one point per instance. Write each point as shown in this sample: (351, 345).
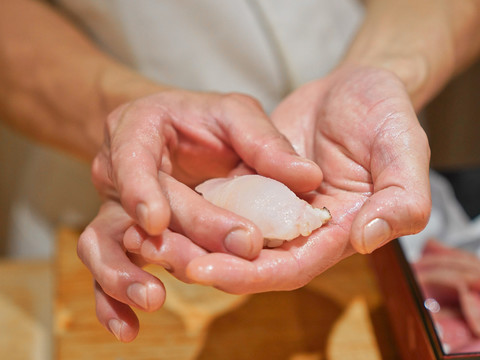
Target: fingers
(116, 317)
(388, 214)
(170, 250)
(140, 136)
(401, 200)
(100, 249)
(208, 226)
(136, 148)
(286, 268)
(261, 146)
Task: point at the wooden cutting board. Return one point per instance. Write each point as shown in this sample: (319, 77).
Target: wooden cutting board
(339, 315)
(25, 310)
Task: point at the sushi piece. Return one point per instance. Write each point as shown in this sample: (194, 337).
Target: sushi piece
(269, 204)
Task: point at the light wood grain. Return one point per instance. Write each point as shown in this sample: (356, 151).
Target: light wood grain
(25, 310)
(339, 315)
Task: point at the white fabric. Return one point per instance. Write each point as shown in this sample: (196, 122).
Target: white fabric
(39, 190)
(448, 223)
(261, 47)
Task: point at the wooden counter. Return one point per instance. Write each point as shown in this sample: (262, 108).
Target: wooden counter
(26, 289)
(339, 315)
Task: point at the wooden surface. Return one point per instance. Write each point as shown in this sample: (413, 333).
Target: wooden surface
(26, 290)
(339, 315)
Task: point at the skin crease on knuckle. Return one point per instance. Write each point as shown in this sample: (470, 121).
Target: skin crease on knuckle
(417, 204)
(101, 176)
(419, 212)
(233, 100)
(112, 122)
(264, 151)
(226, 111)
(87, 245)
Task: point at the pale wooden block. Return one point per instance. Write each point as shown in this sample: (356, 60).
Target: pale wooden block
(25, 310)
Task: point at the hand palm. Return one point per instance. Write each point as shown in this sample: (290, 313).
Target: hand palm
(359, 126)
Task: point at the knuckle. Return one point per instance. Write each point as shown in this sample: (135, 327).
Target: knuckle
(84, 244)
(111, 279)
(204, 219)
(102, 174)
(235, 99)
(97, 169)
(111, 123)
(420, 207)
(425, 142)
(269, 143)
(114, 117)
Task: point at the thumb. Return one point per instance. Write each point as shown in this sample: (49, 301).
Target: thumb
(388, 214)
(401, 200)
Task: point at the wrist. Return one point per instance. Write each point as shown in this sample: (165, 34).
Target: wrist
(421, 76)
(118, 85)
(423, 42)
(115, 85)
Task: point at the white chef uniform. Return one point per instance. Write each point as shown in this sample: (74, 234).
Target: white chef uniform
(264, 48)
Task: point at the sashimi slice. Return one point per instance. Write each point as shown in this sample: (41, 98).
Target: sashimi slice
(452, 329)
(451, 277)
(472, 347)
(470, 305)
(269, 204)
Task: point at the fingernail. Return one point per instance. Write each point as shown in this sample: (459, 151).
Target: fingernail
(239, 243)
(115, 327)
(142, 215)
(137, 292)
(375, 234)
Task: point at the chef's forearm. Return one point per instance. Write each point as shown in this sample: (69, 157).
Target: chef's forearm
(56, 86)
(425, 42)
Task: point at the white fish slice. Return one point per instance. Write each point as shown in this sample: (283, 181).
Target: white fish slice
(269, 204)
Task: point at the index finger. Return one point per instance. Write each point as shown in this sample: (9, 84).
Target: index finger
(137, 155)
(261, 146)
(286, 268)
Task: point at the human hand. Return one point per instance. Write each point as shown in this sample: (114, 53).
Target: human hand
(358, 124)
(120, 282)
(158, 144)
(154, 148)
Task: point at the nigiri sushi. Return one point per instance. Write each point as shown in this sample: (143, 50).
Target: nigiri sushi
(269, 204)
